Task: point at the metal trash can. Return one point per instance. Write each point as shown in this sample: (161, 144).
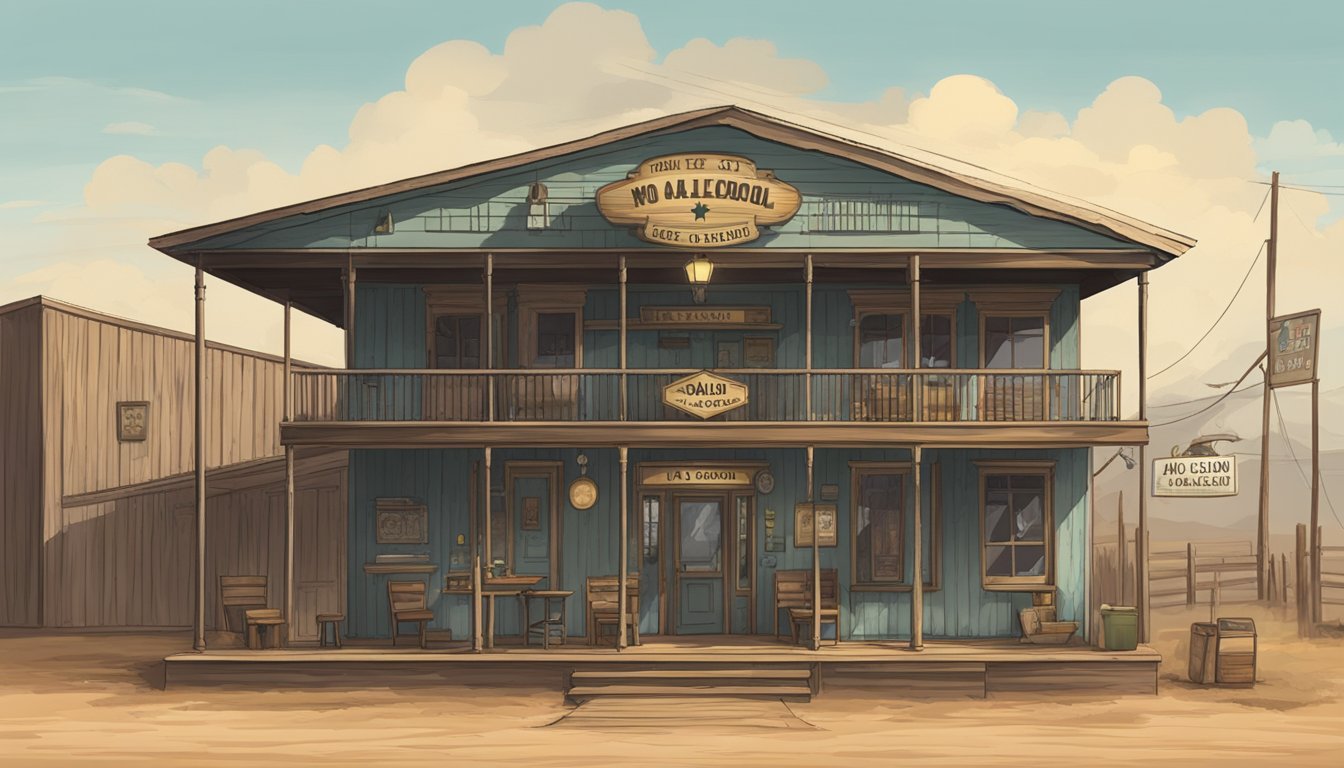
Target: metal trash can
(1119, 627)
(1223, 652)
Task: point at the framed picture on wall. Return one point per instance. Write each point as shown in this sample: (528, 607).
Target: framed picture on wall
(758, 352)
(132, 421)
(728, 354)
(401, 521)
(805, 525)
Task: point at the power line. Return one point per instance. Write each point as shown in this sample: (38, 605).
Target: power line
(1223, 314)
(1225, 395)
(1192, 401)
(1283, 430)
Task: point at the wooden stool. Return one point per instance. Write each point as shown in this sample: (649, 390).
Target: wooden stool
(334, 619)
(267, 618)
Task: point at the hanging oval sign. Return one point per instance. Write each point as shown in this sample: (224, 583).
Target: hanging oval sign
(698, 200)
(582, 493)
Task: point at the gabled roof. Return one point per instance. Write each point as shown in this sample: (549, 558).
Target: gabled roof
(940, 172)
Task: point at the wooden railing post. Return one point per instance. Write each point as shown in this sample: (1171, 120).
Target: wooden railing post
(1190, 573)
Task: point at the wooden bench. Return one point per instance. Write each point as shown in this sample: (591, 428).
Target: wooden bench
(793, 592)
(602, 594)
(248, 594)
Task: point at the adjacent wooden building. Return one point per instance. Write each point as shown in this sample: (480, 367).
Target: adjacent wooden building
(681, 354)
(96, 490)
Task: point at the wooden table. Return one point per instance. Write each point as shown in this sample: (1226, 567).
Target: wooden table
(489, 596)
(546, 623)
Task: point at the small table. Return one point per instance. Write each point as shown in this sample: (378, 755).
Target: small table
(334, 620)
(549, 620)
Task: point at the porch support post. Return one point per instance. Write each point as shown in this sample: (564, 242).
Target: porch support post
(349, 289)
(807, 382)
(623, 327)
(622, 576)
(917, 562)
(289, 486)
(198, 620)
(916, 336)
(483, 560)
(1141, 535)
(489, 356)
(816, 552)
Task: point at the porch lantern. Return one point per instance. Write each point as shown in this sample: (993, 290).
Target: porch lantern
(698, 271)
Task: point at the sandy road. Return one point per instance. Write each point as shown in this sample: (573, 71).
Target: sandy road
(73, 698)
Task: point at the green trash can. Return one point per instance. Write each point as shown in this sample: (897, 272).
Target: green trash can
(1120, 627)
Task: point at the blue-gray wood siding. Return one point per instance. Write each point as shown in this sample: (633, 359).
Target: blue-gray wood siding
(961, 608)
(490, 211)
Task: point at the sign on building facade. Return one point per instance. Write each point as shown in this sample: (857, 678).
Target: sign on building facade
(1199, 476)
(704, 394)
(1294, 348)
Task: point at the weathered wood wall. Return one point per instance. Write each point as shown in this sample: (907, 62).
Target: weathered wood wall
(128, 561)
(20, 466)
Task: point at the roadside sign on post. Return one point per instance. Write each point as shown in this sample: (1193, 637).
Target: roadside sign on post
(1198, 476)
(1294, 348)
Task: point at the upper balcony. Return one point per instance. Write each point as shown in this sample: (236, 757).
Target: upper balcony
(850, 406)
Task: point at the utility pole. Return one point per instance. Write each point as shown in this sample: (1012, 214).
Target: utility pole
(1271, 265)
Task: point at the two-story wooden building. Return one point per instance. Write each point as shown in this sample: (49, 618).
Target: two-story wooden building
(706, 341)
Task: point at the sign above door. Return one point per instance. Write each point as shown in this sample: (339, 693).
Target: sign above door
(698, 200)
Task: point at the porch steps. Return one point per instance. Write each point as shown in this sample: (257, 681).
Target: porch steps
(784, 683)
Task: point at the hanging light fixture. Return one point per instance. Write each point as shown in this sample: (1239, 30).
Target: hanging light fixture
(698, 272)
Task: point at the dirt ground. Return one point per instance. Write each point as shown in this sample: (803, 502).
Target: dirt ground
(67, 698)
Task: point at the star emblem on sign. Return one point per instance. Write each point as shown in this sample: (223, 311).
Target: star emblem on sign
(700, 210)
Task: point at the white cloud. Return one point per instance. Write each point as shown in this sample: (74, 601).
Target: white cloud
(12, 205)
(131, 128)
(1127, 151)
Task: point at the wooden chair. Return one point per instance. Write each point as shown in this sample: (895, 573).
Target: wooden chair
(248, 593)
(406, 603)
(603, 596)
(793, 592)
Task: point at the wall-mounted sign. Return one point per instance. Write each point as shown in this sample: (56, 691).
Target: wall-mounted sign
(400, 521)
(678, 317)
(702, 476)
(698, 200)
(1293, 348)
(132, 420)
(705, 394)
(582, 493)
(803, 524)
(1201, 476)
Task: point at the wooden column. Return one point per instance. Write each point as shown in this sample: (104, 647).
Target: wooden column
(916, 336)
(623, 324)
(816, 548)
(807, 352)
(483, 560)
(917, 562)
(1120, 553)
(623, 577)
(1315, 500)
(489, 332)
(349, 291)
(198, 620)
(1141, 536)
(289, 485)
(1271, 273)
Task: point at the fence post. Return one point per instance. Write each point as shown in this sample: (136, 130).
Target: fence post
(1283, 571)
(1272, 588)
(1215, 598)
(1121, 576)
(1302, 586)
(1190, 573)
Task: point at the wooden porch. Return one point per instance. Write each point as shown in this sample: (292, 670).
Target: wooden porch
(945, 668)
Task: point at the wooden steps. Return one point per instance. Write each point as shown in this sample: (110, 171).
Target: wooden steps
(785, 683)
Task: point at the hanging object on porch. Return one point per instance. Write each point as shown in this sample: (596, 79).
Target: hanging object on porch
(583, 491)
(705, 394)
(764, 482)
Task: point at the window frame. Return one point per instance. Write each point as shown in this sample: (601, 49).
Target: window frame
(935, 512)
(1043, 315)
(536, 300)
(939, 303)
(1046, 581)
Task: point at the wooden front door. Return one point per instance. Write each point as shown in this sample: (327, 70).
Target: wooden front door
(698, 523)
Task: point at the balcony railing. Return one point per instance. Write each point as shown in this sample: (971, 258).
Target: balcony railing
(873, 395)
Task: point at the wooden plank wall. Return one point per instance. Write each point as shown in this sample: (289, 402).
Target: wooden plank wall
(20, 467)
(129, 562)
(93, 364)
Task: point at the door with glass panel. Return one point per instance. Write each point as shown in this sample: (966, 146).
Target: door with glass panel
(1015, 342)
(698, 524)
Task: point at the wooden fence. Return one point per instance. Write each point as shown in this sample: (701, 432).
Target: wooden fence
(1190, 573)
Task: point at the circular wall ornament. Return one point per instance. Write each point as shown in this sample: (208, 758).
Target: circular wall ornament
(582, 493)
(765, 482)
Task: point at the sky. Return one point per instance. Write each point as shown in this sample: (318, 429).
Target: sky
(131, 119)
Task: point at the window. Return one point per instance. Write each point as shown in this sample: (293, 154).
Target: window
(879, 526)
(935, 341)
(1016, 526)
(555, 340)
(1013, 341)
(648, 526)
(882, 341)
(457, 341)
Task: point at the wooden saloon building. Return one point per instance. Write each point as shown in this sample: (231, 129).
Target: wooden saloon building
(730, 364)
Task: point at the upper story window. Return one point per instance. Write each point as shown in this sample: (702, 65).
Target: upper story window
(555, 340)
(457, 341)
(882, 341)
(935, 341)
(1015, 341)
